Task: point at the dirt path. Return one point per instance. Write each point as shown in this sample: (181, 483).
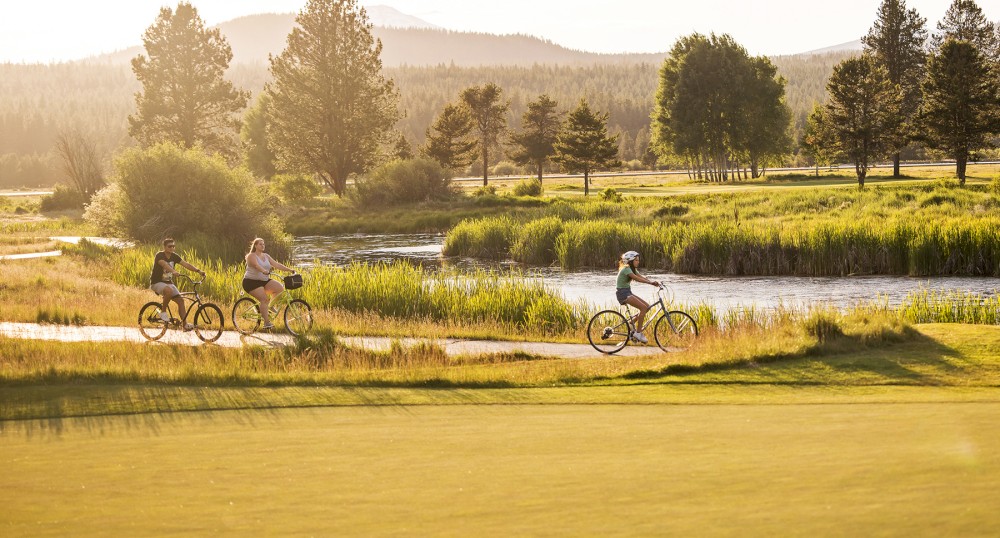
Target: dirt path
(453, 347)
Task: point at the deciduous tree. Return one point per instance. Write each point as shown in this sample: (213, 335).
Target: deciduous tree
(535, 144)
(961, 108)
(489, 118)
(583, 144)
(184, 97)
(897, 41)
(332, 110)
(81, 162)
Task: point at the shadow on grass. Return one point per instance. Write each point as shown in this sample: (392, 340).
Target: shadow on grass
(913, 359)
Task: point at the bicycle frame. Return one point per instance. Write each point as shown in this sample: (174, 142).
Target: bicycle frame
(193, 298)
(656, 309)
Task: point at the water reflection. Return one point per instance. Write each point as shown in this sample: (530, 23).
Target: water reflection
(597, 287)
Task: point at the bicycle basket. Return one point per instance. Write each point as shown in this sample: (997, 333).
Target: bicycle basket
(293, 282)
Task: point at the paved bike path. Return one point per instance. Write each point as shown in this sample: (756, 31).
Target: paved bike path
(452, 346)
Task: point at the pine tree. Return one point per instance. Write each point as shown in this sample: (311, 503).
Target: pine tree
(449, 139)
(257, 152)
(489, 117)
(583, 145)
(184, 97)
(535, 144)
(965, 21)
(960, 112)
(896, 41)
(332, 109)
(861, 113)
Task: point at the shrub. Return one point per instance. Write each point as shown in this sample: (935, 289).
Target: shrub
(506, 168)
(295, 188)
(400, 182)
(63, 198)
(485, 190)
(168, 190)
(611, 195)
(528, 187)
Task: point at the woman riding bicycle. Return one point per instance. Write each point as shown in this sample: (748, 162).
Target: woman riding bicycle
(627, 272)
(257, 279)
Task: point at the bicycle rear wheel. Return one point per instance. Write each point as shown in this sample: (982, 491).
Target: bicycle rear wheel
(208, 322)
(298, 317)
(246, 315)
(608, 331)
(150, 324)
(675, 330)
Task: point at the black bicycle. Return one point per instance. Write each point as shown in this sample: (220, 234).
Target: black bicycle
(297, 313)
(208, 318)
(609, 331)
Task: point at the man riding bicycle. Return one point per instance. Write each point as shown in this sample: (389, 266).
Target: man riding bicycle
(161, 279)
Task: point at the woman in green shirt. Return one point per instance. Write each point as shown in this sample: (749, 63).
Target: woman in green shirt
(627, 272)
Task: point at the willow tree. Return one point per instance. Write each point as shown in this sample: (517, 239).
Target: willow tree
(960, 113)
(332, 110)
(896, 41)
(185, 99)
(583, 144)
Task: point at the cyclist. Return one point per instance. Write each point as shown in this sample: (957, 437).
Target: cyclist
(161, 279)
(627, 272)
(257, 279)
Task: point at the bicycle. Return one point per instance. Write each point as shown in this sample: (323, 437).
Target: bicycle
(208, 318)
(297, 312)
(609, 331)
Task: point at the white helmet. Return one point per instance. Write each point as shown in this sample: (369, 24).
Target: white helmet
(630, 255)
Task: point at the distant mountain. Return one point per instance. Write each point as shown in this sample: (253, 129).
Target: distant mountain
(405, 41)
(850, 46)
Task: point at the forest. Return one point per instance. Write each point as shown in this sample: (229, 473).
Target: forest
(37, 102)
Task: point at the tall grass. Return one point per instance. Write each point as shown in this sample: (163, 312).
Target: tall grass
(934, 229)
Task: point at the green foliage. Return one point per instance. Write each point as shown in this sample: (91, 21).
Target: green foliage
(960, 115)
(257, 152)
(449, 138)
(63, 198)
(536, 241)
(485, 190)
(528, 187)
(295, 188)
(403, 182)
(489, 118)
(535, 143)
(331, 111)
(583, 145)
(611, 195)
(169, 191)
(185, 98)
(490, 237)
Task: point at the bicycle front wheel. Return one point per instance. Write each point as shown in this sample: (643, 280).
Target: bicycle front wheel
(150, 324)
(608, 331)
(675, 330)
(208, 322)
(298, 317)
(246, 315)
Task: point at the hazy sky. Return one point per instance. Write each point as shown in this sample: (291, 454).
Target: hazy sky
(53, 30)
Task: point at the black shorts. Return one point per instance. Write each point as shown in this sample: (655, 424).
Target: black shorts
(250, 284)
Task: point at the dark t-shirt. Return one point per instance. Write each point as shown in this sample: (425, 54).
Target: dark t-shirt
(157, 275)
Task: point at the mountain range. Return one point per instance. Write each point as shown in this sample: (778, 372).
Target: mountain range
(411, 41)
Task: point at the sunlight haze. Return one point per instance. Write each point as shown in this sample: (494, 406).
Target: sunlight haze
(62, 30)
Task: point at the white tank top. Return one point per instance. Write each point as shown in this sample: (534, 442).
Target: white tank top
(253, 274)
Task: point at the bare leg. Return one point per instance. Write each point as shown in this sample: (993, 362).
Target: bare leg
(640, 305)
(265, 301)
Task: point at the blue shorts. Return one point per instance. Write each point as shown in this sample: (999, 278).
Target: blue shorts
(623, 294)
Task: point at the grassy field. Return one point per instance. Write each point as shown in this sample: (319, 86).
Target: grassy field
(894, 441)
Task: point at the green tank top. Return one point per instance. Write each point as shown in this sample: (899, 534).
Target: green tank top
(623, 277)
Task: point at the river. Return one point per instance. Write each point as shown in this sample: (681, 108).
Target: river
(597, 287)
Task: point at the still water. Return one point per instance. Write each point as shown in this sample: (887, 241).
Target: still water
(598, 286)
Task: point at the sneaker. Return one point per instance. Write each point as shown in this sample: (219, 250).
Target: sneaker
(267, 327)
(188, 326)
(165, 316)
(638, 337)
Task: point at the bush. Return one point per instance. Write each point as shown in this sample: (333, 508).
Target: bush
(506, 168)
(611, 195)
(528, 187)
(485, 190)
(166, 190)
(295, 188)
(63, 198)
(400, 182)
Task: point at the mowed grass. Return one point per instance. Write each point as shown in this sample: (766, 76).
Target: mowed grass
(764, 469)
